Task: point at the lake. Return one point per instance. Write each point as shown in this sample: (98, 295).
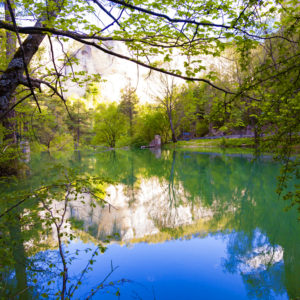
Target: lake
(176, 225)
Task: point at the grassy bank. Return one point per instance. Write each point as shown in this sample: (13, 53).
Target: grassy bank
(228, 145)
(220, 142)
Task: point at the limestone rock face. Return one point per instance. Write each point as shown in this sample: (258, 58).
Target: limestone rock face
(116, 72)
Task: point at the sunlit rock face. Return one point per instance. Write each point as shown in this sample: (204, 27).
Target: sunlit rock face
(94, 61)
(138, 213)
(116, 73)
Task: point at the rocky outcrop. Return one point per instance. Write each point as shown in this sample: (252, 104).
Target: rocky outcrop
(154, 207)
(115, 73)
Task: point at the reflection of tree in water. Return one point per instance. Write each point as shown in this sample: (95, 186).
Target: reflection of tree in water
(266, 283)
(171, 186)
(19, 236)
(243, 193)
(174, 192)
(234, 188)
(274, 246)
(101, 234)
(238, 190)
(20, 284)
(131, 184)
(27, 220)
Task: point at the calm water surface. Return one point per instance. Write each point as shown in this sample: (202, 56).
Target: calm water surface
(183, 225)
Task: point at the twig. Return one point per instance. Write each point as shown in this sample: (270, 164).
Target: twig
(100, 286)
(71, 291)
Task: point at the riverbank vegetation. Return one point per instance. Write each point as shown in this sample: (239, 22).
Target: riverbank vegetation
(129, 123)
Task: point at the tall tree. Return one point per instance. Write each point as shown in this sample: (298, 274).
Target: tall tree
(129, 101)
(168, 101)
(10, 50)
(79, 122)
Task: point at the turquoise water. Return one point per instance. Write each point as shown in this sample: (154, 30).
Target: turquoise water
(181, 225)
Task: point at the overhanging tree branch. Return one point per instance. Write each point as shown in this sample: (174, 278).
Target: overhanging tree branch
(153, 67)
(190, 21)
(84, 39)
(37, 83)
(72, 34)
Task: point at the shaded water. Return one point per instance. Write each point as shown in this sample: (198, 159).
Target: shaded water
(182, 225)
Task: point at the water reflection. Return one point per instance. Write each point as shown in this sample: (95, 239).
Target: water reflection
(159, 197)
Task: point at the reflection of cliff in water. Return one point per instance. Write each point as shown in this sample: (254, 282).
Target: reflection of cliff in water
(187, 193)
(190, 194)
(151, 211)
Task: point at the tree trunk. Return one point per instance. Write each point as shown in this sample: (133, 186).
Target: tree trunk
(10, 167)
(9, 122)
(131, 120)
(78, 134)
(113, 144)
(174, 139)
(13, 75)
(256, 138)
(48, 147)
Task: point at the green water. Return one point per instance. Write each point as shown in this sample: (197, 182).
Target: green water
(188, 225)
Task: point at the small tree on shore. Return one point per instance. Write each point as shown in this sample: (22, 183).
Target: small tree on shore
(110, 125)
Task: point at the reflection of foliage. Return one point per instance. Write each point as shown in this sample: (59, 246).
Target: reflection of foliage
(27, 219)
(199, 228)
(266, 283)
(77, 224)
(233, 185)
(93, 230)
(259, 263)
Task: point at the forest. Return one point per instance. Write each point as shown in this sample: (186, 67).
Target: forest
(218, 68)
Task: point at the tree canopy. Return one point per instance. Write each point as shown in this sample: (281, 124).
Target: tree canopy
(163, 28)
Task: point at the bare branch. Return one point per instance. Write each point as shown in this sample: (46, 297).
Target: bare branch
(108, 13)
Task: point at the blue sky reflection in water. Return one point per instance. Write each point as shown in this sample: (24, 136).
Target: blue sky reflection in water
(177, 269)
(191, 226)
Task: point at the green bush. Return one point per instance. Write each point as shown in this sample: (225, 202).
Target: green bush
(201, 128)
